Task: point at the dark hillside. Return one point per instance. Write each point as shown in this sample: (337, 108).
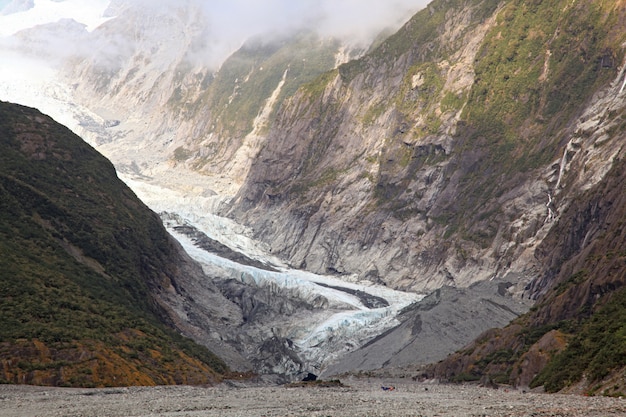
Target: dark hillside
(81, 258)
(576, 331)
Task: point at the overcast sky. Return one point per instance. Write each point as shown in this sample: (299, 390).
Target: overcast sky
(355, 18)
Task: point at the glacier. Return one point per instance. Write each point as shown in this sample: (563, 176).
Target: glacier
(345, 323)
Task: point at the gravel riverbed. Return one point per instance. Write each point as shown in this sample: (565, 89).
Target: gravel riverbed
(358, 397)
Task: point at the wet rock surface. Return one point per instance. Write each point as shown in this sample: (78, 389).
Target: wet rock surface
(358, 397)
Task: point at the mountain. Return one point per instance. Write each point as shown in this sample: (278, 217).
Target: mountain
(175, 111)
(83, 261)
(454, 153)
(444, 156)
(458, 157)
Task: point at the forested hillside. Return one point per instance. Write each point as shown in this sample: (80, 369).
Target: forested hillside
(81, 260)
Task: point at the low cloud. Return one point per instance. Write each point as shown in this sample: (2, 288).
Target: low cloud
(231, 22)
(216, 28)
(227, 24)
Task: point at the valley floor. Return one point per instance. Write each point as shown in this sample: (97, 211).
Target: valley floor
(359, 397)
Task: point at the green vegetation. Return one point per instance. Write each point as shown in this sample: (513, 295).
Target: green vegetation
(541, 62)
(425, 27)
(316, 87)
(327, 177)
(452, 102)
(373, 113)
(249, 77)
(598, 348)
(466, 377)
(576, 279)
(535, 71)
(81, 256)
(349, 70)
(420, 89)
(579, 324)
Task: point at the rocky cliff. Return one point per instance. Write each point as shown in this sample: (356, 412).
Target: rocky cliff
(444, 156)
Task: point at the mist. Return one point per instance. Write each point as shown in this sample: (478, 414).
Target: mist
(220, 27)
(354, 22)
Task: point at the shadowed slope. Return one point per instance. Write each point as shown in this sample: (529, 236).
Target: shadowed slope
(81, 258)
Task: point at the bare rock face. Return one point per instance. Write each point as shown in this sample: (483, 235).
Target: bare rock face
(578, 311)
(356, 183)
(171, 106)
(401, 168)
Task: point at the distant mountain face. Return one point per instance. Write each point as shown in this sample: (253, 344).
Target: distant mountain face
(179, 111)
(160, 85)
(86, 269)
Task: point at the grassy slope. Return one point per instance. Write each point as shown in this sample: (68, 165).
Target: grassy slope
(239, 91)
(80, 254)
(517, 115)
(524, 98)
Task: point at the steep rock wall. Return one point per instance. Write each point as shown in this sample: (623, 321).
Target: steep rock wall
(444, 156)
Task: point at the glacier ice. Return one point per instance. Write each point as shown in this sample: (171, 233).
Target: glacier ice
(343, 325)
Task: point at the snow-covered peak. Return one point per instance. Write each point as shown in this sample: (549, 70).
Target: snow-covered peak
(25, 15)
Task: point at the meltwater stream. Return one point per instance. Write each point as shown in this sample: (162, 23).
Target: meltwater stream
(349, 312)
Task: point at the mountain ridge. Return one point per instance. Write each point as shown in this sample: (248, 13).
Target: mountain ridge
(440, 151)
